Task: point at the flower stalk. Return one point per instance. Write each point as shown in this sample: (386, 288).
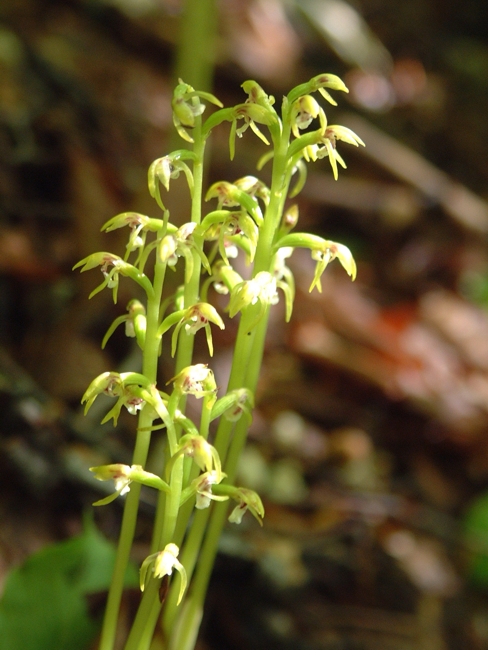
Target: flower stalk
(197, 483)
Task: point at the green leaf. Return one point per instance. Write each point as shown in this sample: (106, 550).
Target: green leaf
(475, 529)
(44, 605)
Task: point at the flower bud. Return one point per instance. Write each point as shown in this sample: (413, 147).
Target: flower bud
(167, 250)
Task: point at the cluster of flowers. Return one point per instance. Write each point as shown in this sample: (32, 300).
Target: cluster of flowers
(235, 224)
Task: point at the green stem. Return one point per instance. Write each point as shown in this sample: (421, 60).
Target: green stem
(117, 585)
(141, 633)
(168, 505)
(149, 368)
(190, 551)
(243, 350)
(161, 507)
(213, 531)
(148, 612)
(197, 43)
(172, 503)
(192, 289)
(248, 353)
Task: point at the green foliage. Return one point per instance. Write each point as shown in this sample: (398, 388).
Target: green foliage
(45, 606)
(475, 530)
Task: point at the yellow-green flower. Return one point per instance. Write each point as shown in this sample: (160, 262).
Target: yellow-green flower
(197, 380)
(203, 489)
(248, 500)
(262, 288)
(329, 141)
(304, 110)
(109, 383)
(254, 187)
(162, 564)
(323, 257)
(187, 106)
(135, 323)
(192, 319)
(181, 244)
(230, 228)
(203, 453)
(120, 474)
(123, 476)
(323, 252)
(111, 266)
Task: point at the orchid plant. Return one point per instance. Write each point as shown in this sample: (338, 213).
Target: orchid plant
(251, 219)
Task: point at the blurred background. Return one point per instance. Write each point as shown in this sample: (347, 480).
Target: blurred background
(370, 442)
